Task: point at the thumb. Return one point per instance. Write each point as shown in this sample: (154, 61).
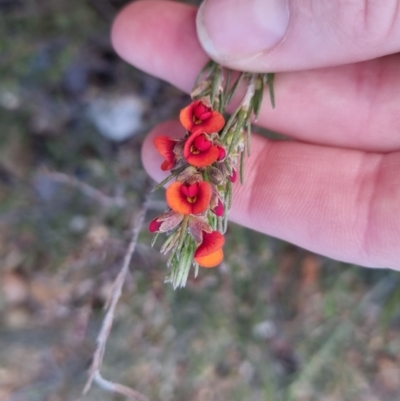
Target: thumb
(282, 35)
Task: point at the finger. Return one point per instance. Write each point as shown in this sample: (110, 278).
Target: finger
(341, 203)
(282, 35)
(352, 106)
(160, 46)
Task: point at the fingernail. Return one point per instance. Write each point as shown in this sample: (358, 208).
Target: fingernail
(238, 29)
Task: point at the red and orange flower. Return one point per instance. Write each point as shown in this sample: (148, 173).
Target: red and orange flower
(200, 116)
(189, 198)
(209, 253)
(199, 150)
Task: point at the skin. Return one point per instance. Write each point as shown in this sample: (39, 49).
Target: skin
(335, 188)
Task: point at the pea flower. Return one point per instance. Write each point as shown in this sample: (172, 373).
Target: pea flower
(199, 115)
(209, 253)
(189, 198)
(199, 150)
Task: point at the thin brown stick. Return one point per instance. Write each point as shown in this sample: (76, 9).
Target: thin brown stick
(94, 371)
(119, 388)
(89, 191)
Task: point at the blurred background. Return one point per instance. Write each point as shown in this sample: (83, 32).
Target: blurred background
(274, 322)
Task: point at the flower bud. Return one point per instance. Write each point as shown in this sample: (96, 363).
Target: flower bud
(219, 209)
(155, 225)
(221, 154)
(233, 176)
(215, 175)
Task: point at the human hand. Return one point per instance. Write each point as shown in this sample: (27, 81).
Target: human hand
(335, 189)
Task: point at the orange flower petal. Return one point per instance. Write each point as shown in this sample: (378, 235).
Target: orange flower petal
(211, 243)
(213, 124)
(176, 200)
(203, 198)
(202, 158)
(186, 116)
(211, 260)
(165, 146)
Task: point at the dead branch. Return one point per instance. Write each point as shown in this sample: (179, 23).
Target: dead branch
(89, 191)
(119, 388)
(94, 371)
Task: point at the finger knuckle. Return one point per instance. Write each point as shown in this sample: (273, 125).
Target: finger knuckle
(373, 21)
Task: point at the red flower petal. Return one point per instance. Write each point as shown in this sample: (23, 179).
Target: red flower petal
(211, 260)
(154, 225)
(201, 111)
(233, 176)
(185, 190)
(203, 198)
(190, 190)
(221, 153)
(165, 146)
(211, 243)
(202, 143)
(197, 157)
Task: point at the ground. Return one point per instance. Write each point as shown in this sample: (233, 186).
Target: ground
(274, 322)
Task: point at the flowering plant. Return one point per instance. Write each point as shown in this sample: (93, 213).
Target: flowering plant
(204, 164)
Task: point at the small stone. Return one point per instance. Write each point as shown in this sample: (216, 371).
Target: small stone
(118, 118)
(9, 100)
(78, 224)
(265, 330)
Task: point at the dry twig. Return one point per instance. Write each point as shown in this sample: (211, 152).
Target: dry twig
(94, 371)
(86, 189)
